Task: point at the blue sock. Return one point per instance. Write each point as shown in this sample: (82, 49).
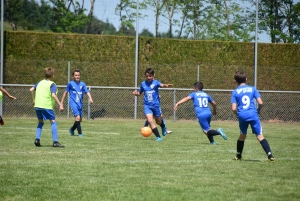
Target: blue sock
(54, 131)
(39, 130)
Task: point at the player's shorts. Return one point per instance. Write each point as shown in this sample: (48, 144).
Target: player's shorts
(156, 111)
(255, 126)
(76, 110)
(45, 114)
(204, 121)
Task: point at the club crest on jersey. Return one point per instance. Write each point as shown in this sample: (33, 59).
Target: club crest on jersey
(152, 86)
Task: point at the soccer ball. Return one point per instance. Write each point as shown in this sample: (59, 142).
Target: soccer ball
(146, 131)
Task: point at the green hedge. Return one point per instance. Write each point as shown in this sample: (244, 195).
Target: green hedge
(110, 60)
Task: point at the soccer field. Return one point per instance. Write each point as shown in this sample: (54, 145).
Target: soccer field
(112, 161)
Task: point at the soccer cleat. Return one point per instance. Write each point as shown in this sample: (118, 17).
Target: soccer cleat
(71, 131)
(1, 121)
(168, 131)
(80, 135)
(57, 144)
(237, 159)
(37, 143)
(158, 139)
(164, 131)
(213, 143)
(271, 159)
(221, 132)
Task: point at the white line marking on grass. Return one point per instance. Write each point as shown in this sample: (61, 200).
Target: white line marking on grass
(105, 133)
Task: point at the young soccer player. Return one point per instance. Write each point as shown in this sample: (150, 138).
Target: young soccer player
(152, 102)
(202, 110)
(44, 101)
(3, 91)
(243, 106)
(76, 89)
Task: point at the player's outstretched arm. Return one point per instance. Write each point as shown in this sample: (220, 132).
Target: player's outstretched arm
(7, 94)
(181, 101)
(166, 85)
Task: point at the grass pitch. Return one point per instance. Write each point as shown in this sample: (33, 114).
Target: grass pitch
(112, 161)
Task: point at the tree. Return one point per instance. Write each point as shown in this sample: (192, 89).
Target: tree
(13, 12)
(146, 33)
(64, 20)
(217, 20)
(157, 8)
(126, 10)
(171, 7)
(280, 19)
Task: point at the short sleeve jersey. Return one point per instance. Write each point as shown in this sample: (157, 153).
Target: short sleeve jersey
(151, 95)
(77, 91)
(244, 96)
(201, 102)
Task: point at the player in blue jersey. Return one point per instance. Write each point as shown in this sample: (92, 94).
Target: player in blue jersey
(44, 98)
(201, 102)
(244, 107)
(152, 102)
(76, 89)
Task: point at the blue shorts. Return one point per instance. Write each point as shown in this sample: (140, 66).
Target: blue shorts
(255, 126)
(156, 111)
(44, 114)
(204, 121)
(76, 110)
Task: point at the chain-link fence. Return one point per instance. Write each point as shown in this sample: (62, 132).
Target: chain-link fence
(118, 102)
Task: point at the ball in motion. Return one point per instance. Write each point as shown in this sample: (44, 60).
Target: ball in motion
(146, 131)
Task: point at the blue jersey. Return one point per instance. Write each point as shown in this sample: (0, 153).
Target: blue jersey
(244, 97)
(77, 91)
(150, 89)
(201, 102)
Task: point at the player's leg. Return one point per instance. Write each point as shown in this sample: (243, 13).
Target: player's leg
(49, 114)
(163, 120)
(204, 122)
(146, 123)
(77, 114)
(159, 120)
(241, 140)
(257, 130)
(39, 128)
(78, 120)
(149, 116)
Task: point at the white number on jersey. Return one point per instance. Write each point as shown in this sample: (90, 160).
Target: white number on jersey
(203, 102)
(246, 101)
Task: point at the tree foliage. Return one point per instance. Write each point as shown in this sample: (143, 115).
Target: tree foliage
(224, 20)
(280, 19)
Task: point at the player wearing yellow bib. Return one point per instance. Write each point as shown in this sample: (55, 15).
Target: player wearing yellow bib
(3, 91)
(44, 101)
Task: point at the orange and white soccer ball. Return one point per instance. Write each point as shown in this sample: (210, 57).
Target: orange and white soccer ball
(146, 131)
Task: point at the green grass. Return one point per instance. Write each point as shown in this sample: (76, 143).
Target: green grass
(114, 162)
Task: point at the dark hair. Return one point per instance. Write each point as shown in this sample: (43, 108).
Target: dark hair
(76, 70)
(150, 71)
(240, 77)
(49, 72)
(198, 85)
